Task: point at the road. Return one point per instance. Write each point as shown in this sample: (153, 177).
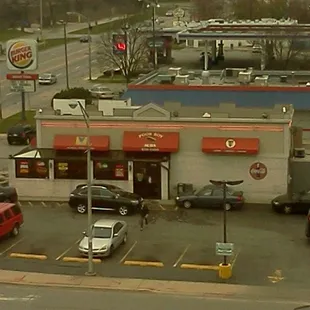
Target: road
(270, 249)
(50, 298)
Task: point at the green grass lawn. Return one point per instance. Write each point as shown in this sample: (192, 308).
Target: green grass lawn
(49, 43)
(105, 79)
(6, 123)
(113, 25)
(9, 34)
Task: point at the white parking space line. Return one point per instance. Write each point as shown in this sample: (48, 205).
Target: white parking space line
(12, 246)
(77, 68)
(8, 94)
(128, 252)
(163, 208)
(181, 256)
(67, 250)
(59, 74)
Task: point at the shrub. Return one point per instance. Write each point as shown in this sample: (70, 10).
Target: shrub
(74, 93)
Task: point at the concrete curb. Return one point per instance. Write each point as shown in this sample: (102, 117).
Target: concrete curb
(215, 290)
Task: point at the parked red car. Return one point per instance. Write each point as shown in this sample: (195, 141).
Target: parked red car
(11, 219)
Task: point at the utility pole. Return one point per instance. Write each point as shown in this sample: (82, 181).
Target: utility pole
(66, 54)
(41, 20)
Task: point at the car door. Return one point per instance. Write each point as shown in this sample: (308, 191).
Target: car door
(8, 221)
(96, 197)
(3, 228)
(203, 198)
(108, 200)
(117, 234)
(218, 197)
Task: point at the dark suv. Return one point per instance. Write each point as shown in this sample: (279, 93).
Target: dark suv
(8, 194)
(21, 134)
(105, 199)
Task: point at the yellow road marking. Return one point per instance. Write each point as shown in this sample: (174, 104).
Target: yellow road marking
(28, 256)
(68, 249)
(200, 267)
(12, 246)
(79, 260)
(128, 252)
(143, 264)
(181, 256)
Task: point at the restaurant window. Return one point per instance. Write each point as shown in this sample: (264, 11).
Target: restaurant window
(70, 169)
(32, 168)
(107, 170)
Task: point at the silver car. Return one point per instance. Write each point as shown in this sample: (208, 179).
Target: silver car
(108, 235)
(47, 79)
(101, 92)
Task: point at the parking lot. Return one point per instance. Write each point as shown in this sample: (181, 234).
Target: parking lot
(177, 244)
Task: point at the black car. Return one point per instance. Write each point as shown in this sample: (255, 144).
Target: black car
(211, 196)
(296, 203)
(8, 194)
(21, 134)
(105, 199)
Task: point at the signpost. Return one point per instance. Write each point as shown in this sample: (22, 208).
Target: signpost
(22, 56)
(224, 249)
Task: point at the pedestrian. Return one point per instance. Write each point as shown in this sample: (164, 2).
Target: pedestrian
(144, 213)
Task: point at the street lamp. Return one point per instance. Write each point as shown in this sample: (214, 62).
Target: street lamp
(89, 41)
(90, 271)
(154, 5)
(64, 23)
(225, 268)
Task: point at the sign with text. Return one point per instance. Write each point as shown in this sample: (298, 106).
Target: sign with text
(22, 76)
(24, 86)
(224, 249)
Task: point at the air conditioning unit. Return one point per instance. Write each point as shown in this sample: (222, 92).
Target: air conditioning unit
(165, 79)
(174, 71)
(244, 77)
(261, 80)
(299, 153)
(181, 80)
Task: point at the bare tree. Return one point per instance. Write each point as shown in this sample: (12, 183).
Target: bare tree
(206, 9)
(128, 61)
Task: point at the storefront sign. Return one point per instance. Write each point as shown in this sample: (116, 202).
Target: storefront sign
(151, 140)
(24, 167)
(22, 55)
(230, 143)
(258, 171)
(119, 171)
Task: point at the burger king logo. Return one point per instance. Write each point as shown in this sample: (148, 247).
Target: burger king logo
(22, 55)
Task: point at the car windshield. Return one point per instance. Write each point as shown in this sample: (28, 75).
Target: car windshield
(46, 76)
(102, 232)
(16, 129)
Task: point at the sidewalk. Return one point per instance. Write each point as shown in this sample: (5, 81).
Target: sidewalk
(198, 289)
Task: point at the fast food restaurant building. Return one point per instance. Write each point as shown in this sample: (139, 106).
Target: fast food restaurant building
(150, 149)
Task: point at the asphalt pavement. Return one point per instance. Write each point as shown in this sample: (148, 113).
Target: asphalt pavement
(50, 298)
(179, 245)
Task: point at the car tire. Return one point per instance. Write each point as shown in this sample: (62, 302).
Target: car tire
(228, 206)
(123, 210)
(125, 239)
(187, 204)
(81, 208)
(287, 209)
(15, 231)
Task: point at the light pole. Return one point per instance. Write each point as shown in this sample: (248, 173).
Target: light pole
(222, 183)
(89, 41)
(41, 20)
(64, 23)
(90, 271)
(154, 5)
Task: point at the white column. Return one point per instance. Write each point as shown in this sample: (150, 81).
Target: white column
(165, 180)
(196, 43)
(38, 133)
(130, 176)
(206, 55)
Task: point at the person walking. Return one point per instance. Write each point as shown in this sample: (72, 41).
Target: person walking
(144, 213)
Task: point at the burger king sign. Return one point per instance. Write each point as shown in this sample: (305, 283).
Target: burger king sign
(22, 55)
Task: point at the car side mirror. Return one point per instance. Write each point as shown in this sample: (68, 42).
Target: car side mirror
(84, 234)
(115, 235)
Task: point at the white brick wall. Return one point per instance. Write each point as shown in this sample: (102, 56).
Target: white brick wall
(198, 168)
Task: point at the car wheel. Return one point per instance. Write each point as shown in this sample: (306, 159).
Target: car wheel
(123, 211)
(227, 206)
(15, 230)
(187, 204)
(81, 208)
(125, 239)
(287, 210)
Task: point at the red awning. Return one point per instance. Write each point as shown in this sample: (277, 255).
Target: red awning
(72, 142)
(230, 145)
(134, 141)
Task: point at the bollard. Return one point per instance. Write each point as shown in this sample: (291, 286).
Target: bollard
(225, 271)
